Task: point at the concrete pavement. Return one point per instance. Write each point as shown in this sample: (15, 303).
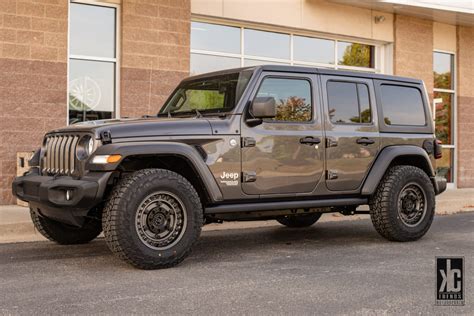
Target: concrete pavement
(332, 268)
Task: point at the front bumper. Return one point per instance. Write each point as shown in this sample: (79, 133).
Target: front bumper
(62, 198)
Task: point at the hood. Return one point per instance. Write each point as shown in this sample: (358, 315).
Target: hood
(143, 127)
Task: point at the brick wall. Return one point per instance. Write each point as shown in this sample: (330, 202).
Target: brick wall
(154, 57)
(33, 69)
(413, 49)
(465, 85)
(155, 52)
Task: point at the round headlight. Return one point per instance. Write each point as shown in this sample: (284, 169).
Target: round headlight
(90, 146)
(85, 147)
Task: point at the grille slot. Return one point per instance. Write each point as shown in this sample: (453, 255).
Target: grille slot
(60, 155)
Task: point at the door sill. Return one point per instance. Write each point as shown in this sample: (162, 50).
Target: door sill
(282, 205)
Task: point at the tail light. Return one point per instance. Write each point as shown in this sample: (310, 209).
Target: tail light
(437, 149)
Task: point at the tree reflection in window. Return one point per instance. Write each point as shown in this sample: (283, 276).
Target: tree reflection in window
(355, 54)
(292, 96)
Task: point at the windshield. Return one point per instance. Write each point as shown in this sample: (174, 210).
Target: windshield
(216, 94)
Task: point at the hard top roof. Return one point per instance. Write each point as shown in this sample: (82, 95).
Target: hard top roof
(313, 70)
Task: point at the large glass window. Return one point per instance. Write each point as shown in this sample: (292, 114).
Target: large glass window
(292, 96)
(442, 70)
(348, 102)
(402, 106)
(92, 62)
(444, 110)
(266, 44)
(313, 50)
(216, 47)
(355, 54)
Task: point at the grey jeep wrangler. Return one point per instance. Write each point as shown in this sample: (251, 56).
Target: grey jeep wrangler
(267, 142)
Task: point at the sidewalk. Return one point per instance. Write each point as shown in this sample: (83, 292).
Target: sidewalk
(16, 225)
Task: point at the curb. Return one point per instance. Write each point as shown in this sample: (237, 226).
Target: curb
(25, 231)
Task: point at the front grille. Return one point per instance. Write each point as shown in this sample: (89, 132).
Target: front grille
(60, 155)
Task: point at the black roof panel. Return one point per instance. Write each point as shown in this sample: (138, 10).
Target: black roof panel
(315, 70)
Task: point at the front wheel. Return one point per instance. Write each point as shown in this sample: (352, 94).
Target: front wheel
(403, 206)
(64, 234)
(153, 219)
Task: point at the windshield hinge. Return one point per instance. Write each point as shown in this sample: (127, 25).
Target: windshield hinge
(106, 137)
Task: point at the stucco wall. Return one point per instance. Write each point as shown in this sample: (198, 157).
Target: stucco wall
(313, 15)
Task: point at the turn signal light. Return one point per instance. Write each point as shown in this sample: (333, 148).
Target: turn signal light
(105, 159)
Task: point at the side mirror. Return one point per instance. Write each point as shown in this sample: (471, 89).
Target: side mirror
(263, 107)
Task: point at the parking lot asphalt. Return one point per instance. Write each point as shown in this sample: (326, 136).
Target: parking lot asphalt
(341, 267)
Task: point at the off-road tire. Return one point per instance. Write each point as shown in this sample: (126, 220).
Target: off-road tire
(64, 234)
(385, 202)
(299, 221)
(119, 218)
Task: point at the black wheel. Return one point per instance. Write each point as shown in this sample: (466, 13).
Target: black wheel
(153, 219)
(403, 206)
(298, 221)
(65, 234)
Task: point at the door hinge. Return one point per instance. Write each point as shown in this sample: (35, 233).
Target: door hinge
(331, 142)
(331, 175)
(248, 142)
(249, 176)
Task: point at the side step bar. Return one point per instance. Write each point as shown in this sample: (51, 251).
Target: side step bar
(283, 205)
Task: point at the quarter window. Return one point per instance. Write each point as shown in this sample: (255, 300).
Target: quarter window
(292, 96)
(402, 106)
(348, 103)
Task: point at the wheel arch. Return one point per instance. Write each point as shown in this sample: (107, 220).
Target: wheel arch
(397, 155)
(177, 157)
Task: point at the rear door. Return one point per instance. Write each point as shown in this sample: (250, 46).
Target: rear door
(352, 136)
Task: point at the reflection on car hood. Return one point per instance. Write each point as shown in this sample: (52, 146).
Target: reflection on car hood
(143, 127)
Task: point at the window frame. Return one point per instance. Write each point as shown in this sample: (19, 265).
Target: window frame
(358, 103)
(378, 48)
(116, 60)
(296, 77)
(454, 144)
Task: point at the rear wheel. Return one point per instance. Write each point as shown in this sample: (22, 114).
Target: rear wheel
(298, 221)
(403, 206)
(153, 219)
(65, 234)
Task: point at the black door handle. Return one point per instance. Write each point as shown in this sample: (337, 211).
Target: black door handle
(309, 140)
(365, 141)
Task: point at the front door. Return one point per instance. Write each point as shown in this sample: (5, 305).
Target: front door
(284, 155)
(351, 129)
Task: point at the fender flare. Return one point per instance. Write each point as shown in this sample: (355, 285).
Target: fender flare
(159, 148)
(385, 158)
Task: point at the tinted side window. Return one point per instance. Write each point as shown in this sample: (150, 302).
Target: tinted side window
(402, 106)
(348, 102)
(292, 96)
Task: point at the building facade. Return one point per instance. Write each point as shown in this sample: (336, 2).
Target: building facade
(63, 62)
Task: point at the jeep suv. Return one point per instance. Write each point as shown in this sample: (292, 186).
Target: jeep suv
(268, 142)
